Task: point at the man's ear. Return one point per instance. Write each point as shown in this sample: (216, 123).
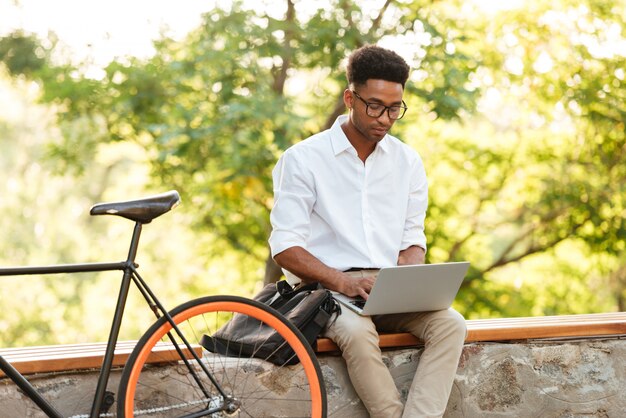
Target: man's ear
(348, 98)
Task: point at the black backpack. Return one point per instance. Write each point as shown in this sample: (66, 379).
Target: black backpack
(308, 307)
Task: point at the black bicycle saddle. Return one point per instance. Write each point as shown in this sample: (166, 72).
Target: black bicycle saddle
(140, 210)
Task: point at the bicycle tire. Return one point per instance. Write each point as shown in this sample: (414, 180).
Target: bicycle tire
(259, 388)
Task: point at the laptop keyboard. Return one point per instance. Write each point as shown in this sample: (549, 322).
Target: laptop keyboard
(359, 303)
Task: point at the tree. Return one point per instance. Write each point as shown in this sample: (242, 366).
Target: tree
(215, 111)
(573, 82)
(525, 111)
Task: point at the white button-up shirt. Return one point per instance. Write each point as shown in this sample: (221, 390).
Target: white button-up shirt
(344, 212)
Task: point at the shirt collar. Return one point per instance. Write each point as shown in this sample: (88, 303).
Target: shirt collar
(339, 140)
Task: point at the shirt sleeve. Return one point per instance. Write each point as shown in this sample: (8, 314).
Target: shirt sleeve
(416, 208)
(294, 197)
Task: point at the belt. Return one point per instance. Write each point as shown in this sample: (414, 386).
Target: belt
(360, 269)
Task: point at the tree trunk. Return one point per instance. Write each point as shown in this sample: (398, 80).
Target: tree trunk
(273, 272)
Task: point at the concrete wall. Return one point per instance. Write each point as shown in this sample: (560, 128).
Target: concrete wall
(564, 379)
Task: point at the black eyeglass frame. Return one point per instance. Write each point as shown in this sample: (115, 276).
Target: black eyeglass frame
(368, 109)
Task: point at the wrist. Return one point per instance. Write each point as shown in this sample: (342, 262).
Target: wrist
(340, 282)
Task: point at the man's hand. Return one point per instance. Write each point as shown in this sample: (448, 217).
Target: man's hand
(356, 286)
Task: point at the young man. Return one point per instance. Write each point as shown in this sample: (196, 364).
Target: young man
(348, 201)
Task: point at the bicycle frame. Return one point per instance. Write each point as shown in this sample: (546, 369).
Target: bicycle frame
(130, 274)
(140, 211)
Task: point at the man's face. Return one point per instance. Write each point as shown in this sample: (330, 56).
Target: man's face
(379, 92)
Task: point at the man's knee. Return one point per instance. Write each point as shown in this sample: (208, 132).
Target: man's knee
(357, 333)
(458, 323)
(448, 324)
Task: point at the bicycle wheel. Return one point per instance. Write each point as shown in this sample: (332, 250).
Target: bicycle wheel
(155, 384)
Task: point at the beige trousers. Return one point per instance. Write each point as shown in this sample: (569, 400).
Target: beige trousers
(443, 333)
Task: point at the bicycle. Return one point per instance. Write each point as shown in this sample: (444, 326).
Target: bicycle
(191, 384)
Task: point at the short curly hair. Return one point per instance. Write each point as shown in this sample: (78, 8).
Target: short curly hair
(374, 62)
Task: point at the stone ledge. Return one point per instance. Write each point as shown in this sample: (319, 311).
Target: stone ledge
(577, 378)
(568, 378)
(61, 358)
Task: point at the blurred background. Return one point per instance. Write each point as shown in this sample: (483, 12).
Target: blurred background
(517, 108)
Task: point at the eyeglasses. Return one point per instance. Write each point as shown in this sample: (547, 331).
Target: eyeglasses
(376, 110)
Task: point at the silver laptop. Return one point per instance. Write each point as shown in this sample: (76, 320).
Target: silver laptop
(414, 288)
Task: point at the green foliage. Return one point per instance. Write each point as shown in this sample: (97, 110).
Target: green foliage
(45, 221)
(215, 111)
(218, 139)
(519, 115)
(22, 53)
